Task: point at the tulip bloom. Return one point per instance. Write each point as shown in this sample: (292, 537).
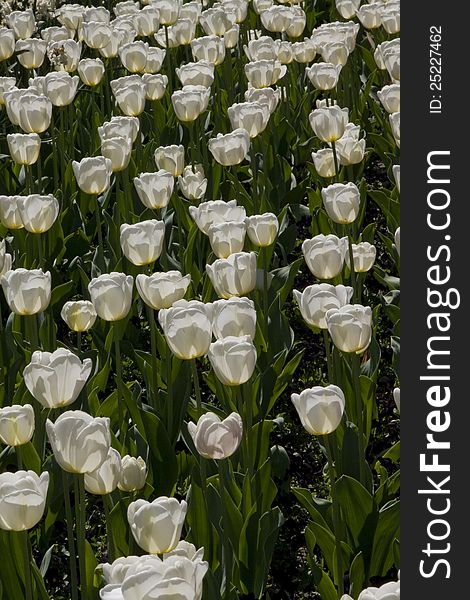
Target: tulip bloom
(342, 202)
(250, 116)
(80, 442)
(60, 88)
(350, 327)
(235, 317)
(154, 189)
(22, 499)
(162, 290)
(105, 478)
(389, 97)
(27, 292)
(79, 315)
(133, 474)
(142, 243)
(192, 183)
(16, 424)
(210, 48)
(134, 56)
(215, 438)
(7, 43)
(126, 127)
(320, 408)
(34, 112)
(347, 8)
(216, 211)
(196, 73)
(315, 301)
(24, 147)
(187, 328)
(31, 52)
(155, 86)
(227, 238)
(93, 174)
(38, 213)
(324, 162)
(324, 255)
(233, 276)
(233, 359)
(264, 73)
(329, 123)
(111, 294)
(170, 158)
(91, 71)
(190, 102)
(156, 526)
(231, 148)
(397, 240)
(324, 76)
(363, 257)
(9, 213)
(56, 379)
(118, 150)
(262, 229)
(396, 397)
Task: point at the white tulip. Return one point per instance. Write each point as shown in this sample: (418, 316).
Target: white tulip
(162, 290)
(233, 276)
(215, 438)
(22, 499)
(320, 408)
(233, 359)
(16, 424)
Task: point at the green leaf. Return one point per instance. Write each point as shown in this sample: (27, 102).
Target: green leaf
(387, 531)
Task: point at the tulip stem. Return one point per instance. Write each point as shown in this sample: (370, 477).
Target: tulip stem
(265, 293)
(335, 160)
(153, 350)
(24, 536)
(197, 389)
(227, 554)
(19, 458)
(109, 528)
(168, 62)
(351, 266)
(336, 518)
(70, 536)
(356, 371)
(326, 339)
(117, 351)
(254, 175)
(169, 389)
(80, 508)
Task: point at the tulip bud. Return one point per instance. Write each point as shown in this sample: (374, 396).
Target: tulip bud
(142, 243)
(170, 158)
(324, 162)
(231, 148)
(24, 147)
(22, 499)
(324, 255)
(192, 183)
(320, 408)
(216, 211)
(233, 276)
(187, 328)
(111, 294)
(27, 292)
(397, 240)
(156, 526)
(350, 327)
(190, 102)
(16, 424)
(38, 213)
(342, 202)
(162, 290)
(396, 397)
(56, 379)
(363, 257)
(262, 229)
(154, 189)
(233, 359)
(105, 478)
(214, 438)
(79, 315)
(324, 76)
(315, 301)
(80, 442)
(93, 174)
(329, 123)
(133, 474)
(118, 150)
(396, 175)
(91, 71)
(235, 317)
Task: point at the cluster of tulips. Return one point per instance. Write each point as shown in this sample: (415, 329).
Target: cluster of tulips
(156, 159)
